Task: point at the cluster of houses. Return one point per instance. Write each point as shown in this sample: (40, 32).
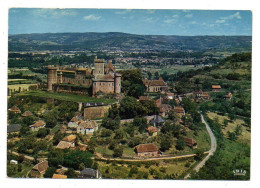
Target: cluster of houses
(87, 173)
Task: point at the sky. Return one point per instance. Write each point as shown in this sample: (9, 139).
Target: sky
(135, 21)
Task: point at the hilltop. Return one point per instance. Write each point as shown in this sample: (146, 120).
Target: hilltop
(124, 41)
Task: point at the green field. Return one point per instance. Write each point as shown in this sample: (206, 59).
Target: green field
(68, 97)
(245, 136)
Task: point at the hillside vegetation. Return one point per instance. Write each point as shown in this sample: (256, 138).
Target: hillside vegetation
(124, 41)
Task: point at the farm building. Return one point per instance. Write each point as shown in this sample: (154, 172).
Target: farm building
(39, 169)
(146, 150)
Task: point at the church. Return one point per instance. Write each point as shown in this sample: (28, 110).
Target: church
(102, 79)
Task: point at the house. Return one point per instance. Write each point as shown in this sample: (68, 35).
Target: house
(67, 142)
(228, 97)
(39, 169)
(75, 121)
(37, 125)
(190, 142)
(203, 95)
(144, 98)
(14, 162)
(216, 88)
(63, 129)
(153, 130)
(59, 176)
(146, 150)
(13, 128)
(165, 109)
(86, 127)
(155, 85)
(27, 113)
(14, 109)
(157, 121)
(71, 138)
(179, 111)
(90, 173)
(169, 96)
(65, 145)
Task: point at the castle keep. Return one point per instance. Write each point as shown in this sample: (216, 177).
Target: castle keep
(103, 79)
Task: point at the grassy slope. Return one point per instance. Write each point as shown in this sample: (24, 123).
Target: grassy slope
(68, 97)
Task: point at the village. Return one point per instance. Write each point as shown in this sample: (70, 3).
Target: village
(159, 124)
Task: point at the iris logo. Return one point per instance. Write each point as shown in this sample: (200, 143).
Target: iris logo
(239, 172)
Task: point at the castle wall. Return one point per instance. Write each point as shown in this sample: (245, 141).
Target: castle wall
(103, 86)
(118, 84)
(51, 77)
(96, 112)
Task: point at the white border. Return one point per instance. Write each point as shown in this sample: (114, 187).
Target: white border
(138, 4)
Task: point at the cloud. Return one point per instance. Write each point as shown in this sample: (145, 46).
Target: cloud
(185, 10)
(193, 22)
(220, 21)
(188, 15)
(92, 17)
(170, 21)
(175, 16)
(232, 16)
(53, 13)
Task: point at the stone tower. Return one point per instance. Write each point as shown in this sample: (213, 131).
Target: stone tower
(51, 77)
(117, 83)
(99, 66)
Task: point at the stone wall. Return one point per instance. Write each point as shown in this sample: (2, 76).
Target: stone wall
(96, 112)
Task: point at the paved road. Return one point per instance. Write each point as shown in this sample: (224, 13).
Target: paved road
(148, 159)
(211, 151)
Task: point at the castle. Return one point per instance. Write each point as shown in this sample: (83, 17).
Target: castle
(102, 79)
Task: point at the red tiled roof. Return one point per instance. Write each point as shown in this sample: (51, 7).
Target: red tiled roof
(59, 176)
(42, 166)
(38, 123)
(179, 109)
(144, 98)
(190, 142)
(15, 109)
(89, 124)
(146, 148)
(70, 138)
(27, 113)
(216, 87)
(152, 129)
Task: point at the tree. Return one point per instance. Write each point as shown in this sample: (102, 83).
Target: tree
(74, 158)
(130, 107)
(166, 142)
(132, 84)
(106, 132)
(118, 151)
(199, 154)
(71, 173)
(119, 134)
(173, 116)
(141, 123)
(110, 123)
(43, 132)
(180, 144)
(49, 172)
(113, 112)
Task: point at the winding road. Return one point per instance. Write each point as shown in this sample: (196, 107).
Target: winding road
(211, 151)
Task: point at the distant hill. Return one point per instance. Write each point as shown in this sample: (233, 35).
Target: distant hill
(124, 41)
